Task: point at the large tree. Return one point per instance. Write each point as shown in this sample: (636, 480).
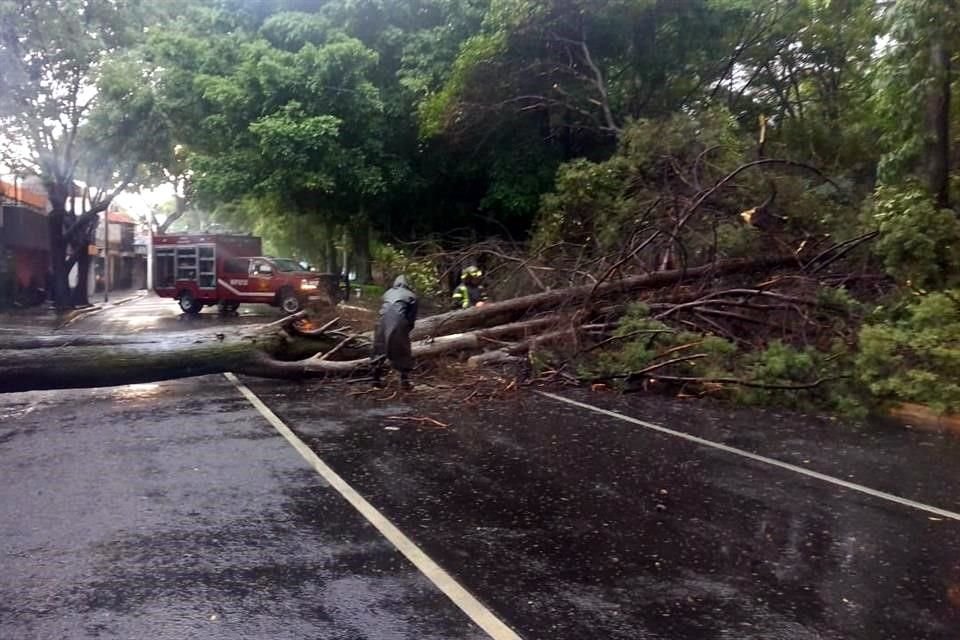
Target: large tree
(58, 60)
(915, 82)
(281, 114)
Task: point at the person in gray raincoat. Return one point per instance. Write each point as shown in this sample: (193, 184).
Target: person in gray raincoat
(391, 340)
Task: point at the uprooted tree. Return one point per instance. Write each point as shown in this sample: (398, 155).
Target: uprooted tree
(638, 158)
(290, 348)
(656, 265)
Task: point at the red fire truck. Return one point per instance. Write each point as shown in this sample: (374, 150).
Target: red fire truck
(228, 270)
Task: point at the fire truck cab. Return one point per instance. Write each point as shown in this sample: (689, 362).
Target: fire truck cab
(228, 270)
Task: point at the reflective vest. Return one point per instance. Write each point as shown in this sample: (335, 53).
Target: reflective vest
(465, 296)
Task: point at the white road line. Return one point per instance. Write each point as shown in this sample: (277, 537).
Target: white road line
(483, 617)
(753, 456)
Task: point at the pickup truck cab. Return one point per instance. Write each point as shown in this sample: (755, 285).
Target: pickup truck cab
(219, 270)
(278, 282)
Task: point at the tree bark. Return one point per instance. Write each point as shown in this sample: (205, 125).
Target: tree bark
(938, 123)
(97, 361)
(58, 257)
(510, 310)
(98, 366)
(360, 237)
(180, 208)
(80, 296)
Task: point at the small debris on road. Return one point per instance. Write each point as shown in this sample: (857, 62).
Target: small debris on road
(420, 419)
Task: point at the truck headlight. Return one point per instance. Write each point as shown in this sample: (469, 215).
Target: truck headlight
(307, 285)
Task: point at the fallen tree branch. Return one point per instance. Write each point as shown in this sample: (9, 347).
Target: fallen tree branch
(340, 345)
(841, 250)
(653, 367)
(420, 419)
(314, 332)
(626, 336)
(510, 310)
(748, 383)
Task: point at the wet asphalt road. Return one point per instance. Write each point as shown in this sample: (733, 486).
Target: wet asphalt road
(574, 525)
(151, 314)
(176, 511)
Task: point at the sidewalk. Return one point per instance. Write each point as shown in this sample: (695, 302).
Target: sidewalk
(45, 317)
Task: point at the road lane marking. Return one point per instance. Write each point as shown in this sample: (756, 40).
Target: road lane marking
(483, 617)
(883, 495)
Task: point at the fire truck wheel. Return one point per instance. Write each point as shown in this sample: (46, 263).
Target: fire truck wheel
(189, 304)
(289, 301)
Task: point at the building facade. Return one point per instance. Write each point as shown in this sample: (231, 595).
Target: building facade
(25, 248)
(24, 244)
(128, 262)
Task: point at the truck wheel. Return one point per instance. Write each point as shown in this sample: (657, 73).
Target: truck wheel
(289, 301)
(189, 304)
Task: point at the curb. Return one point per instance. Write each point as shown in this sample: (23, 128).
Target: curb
(80, 314)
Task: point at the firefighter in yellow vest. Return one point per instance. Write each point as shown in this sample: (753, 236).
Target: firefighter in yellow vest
(470, 292)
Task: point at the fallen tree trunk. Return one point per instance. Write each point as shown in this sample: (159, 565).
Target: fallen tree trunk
(280, 350)
(510, 310)
(188, 355)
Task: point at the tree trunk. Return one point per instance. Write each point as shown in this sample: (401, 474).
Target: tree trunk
(279, 350)
(938, 123)
(58, 257)
(97, 366)
(80, 296)
(180, 208)
(360, 239)
(330, 249)
(510, 310)
(96, 361)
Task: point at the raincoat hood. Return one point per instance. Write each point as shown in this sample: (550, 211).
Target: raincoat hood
(401, 282)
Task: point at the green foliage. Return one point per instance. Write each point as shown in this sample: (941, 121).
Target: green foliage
(422, 275)
(839, 298)
(593, 202)
(660, 168)
(902, 79)
(918, 244)
(83, 108)
(587, 199)
(646, 342)
(437, 109)
(913, 353)
(784, 365)
(581, 124)
(643, 340)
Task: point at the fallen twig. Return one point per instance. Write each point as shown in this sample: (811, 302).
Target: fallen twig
(625, 336)
(841, 249)
(315, 332)
(666, 363)
(421, 419)
(340, 345)
(748, 383)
